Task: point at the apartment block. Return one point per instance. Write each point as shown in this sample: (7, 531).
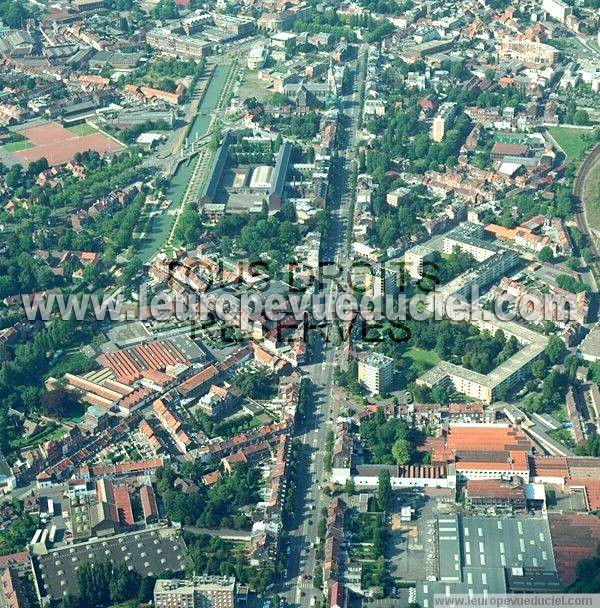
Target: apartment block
(198, 592)
(383, 283)
(443, 121)
(185, 47)
(415, 260)
(506, 376)
(557, 9)
(468, 237)
(375, 372)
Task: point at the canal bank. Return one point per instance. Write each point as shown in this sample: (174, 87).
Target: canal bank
(161, 225)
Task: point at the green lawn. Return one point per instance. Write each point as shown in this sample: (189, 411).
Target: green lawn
(17, 146)
(573, 141)
(422, 358)
(82, 129)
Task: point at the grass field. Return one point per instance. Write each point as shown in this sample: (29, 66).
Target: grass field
(17, 146)
(422, 358)
(573, 141)
(82, 129)
(591, 198)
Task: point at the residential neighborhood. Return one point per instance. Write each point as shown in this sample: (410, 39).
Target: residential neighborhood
(298, 302)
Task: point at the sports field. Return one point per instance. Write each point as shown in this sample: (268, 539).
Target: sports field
(17, 146)
(59, 145)
(82, 129)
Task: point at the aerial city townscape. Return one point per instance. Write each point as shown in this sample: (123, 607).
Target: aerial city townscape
(298, 302)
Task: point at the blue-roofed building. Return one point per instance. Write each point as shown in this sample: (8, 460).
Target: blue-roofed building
(216, 171)
(490, 555)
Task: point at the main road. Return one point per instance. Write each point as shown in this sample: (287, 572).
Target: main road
(298, 588)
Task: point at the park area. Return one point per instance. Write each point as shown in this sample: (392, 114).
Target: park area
(59, 145)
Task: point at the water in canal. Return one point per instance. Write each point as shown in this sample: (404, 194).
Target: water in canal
(161, 224)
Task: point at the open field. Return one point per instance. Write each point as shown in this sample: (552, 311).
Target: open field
(573, 141)
(252, 86)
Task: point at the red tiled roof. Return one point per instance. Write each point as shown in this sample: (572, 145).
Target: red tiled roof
(123, 504)
(486, 437)
(198, 379)
(496, 461)
(148, 502)
(14, 559)
(575, 536)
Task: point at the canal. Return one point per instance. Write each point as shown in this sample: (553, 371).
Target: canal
(160, 225)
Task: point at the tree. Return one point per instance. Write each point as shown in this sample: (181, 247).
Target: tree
(165, 9)
(14, 177)
(442, 393)
(13, 14)
(539, 368)
(555, 350)
(256, 384)
(594, 372)
(349, 486)
(546, 254)
(384, 490)
(215, 138)
(567, 282)
(318, 578)
(130, 271)
(189, 226)
(590, 448)
(401, 451)
(58, 403)
(18, 533)
(554, 388)
(581, 117)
